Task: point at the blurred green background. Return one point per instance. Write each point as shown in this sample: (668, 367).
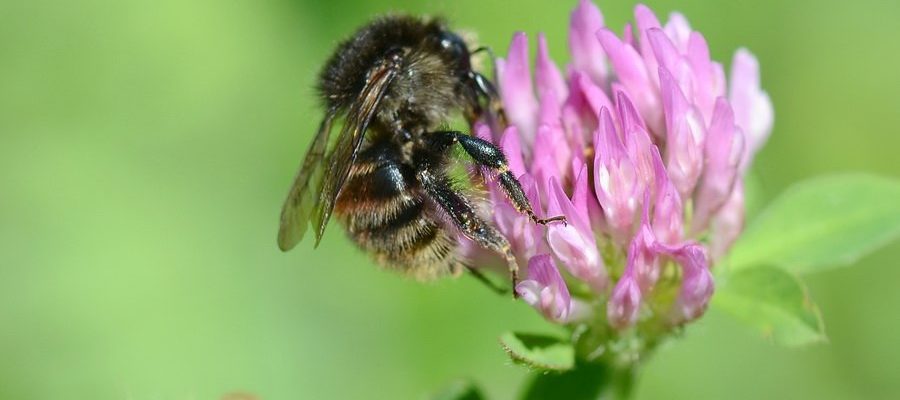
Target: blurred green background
(146, 146)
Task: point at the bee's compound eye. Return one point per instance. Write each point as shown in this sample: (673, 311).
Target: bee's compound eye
(455, 47)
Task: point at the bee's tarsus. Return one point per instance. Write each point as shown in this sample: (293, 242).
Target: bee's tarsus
(513, 270)
(514, 276)
(545, 221)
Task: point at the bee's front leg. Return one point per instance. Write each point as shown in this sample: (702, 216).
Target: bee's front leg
(486, 154)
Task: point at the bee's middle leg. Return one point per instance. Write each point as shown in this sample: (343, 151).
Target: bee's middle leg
(486, 154)
(484, 279)
(464, 217)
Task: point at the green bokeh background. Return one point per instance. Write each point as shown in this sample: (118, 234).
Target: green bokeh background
(145, 148)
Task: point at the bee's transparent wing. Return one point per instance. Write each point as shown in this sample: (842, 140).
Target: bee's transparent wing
(341, 159)
(303, 195)
(314, 204)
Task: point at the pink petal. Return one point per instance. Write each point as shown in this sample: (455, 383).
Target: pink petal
(753, 111)
(547, 75)
(585, 203)
(685, 135)
(516, 89)
(573, 243)
(637, 140)
(705, 92)
(615, 178)
(633, 75)
(643, 256)
(511, 147)
(579, 117)
(719, 82)
(646, 20)
(679, 30)
(674, 62)
(545, 289)
(728, 223)
(628, 35)
(629, 66)
(668, 212)
(663, 49)
(550, 110)
(595, 97)
(628, 115)
(696, 283)
(551, 86)
(550, 157)
(625, 304)
(724, 151)
(587, 54)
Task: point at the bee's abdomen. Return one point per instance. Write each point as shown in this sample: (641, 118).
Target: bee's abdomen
(385, 212)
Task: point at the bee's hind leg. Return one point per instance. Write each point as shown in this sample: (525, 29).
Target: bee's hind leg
(464, 217)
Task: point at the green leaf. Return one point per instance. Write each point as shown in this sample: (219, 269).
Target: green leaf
(585, 382)
(539, 351)
(460, 390)
(822, 223)
(774, 302)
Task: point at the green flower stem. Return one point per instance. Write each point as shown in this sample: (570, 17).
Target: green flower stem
(587, 381)
(621, 383)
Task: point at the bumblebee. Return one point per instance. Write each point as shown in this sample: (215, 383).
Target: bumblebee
(385, 176)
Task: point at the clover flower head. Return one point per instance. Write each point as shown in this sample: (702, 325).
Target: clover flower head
(642, 144)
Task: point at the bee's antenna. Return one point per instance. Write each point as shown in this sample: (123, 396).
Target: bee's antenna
(485, 49)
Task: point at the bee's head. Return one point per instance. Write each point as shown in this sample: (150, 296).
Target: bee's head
(454, 51)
